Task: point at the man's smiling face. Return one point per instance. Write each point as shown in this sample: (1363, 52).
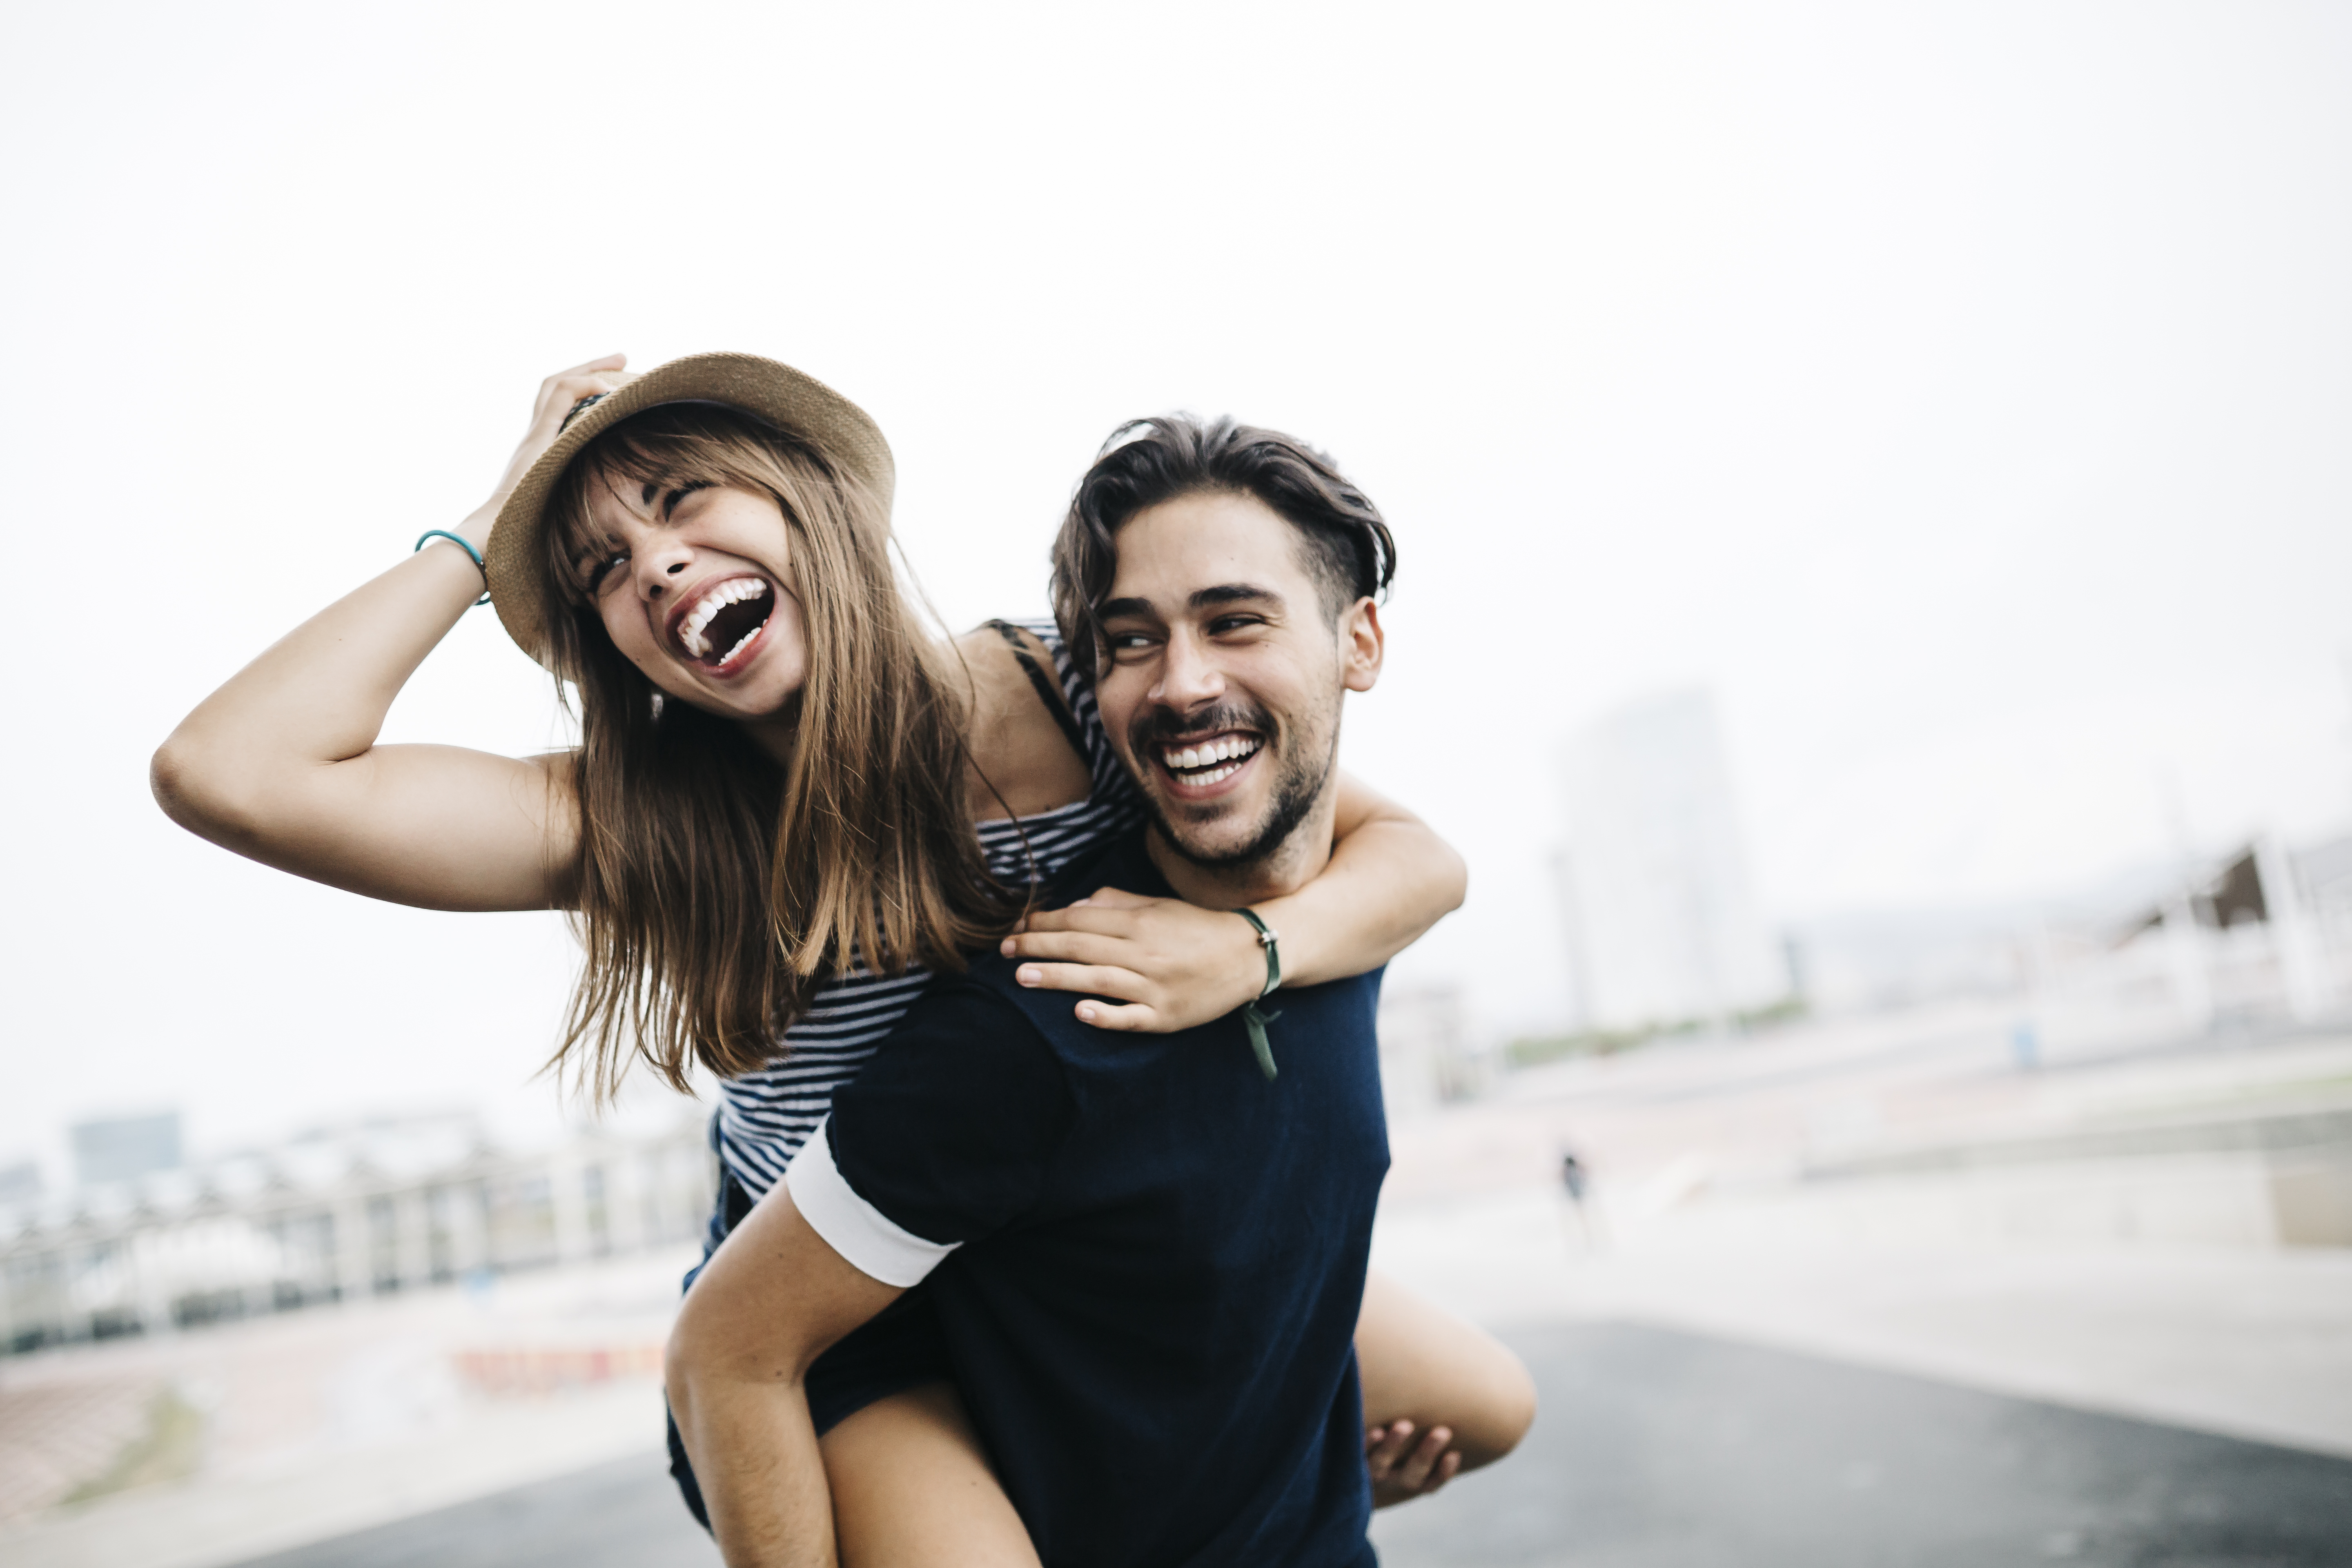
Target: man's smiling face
(1224, 675)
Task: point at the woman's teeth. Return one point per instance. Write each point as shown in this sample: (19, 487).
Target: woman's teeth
(734, 591)
(1221, 759)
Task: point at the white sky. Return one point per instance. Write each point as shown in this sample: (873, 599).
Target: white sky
(1961, 392)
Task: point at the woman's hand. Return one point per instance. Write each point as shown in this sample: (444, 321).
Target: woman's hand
(1168, 964)
(281, 764)
(558, 395)
(1403, 1469)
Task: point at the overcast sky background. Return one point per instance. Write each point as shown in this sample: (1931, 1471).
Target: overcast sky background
(1961, 392)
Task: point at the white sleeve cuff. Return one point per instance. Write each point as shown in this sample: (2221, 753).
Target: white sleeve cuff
(874, 1246)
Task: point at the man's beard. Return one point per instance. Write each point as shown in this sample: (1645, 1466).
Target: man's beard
(1296, 788)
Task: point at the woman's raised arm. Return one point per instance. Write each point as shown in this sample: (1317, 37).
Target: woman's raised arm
(281, 764)
(1173, 965)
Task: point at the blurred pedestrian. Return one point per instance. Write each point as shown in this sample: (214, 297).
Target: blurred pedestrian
(1575, 1177)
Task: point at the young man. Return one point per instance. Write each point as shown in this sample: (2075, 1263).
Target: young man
(1143, 1255)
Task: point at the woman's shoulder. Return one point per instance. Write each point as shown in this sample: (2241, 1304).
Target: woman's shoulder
(1026, 742)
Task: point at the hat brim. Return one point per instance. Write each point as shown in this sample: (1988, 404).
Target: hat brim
(800, 406)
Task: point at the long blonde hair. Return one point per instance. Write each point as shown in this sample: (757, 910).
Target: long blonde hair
(717, 892)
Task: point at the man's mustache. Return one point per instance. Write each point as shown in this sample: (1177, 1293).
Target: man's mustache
(1165, 726)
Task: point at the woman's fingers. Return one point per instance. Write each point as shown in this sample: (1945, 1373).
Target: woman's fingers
(1110, 910)
(557, 396)
(1117, 899)
(1384, 1447)
(1131, 1009)
(1196, 964)
(552, 391)
(1070, 947)
(1423, 1461)
(1445, 1470)
(560, 394)
(600, 366)
(1102, 919)
(1093, 979)
(1134, 1018)
(1401, 1468)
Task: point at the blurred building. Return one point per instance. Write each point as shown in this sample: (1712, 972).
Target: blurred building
(2258, 932)
(1663, 922)
(126, 1148)
(367, 1210)
(2259, 938)
(1428, 1055)
(20, 1182)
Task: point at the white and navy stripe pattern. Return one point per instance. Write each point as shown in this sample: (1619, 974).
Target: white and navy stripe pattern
(765, 1115)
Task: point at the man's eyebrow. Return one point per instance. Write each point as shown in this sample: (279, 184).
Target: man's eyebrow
(1233, 594)
(1201, 599)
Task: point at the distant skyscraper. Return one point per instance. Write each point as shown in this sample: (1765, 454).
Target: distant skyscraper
(126, 1149)
(20, 1183)
(1662, 923)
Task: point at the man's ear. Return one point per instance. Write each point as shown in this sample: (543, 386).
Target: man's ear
(1361, 644)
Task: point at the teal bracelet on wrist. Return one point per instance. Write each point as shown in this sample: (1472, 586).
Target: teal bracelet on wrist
(466, 544)
(1255, 1018)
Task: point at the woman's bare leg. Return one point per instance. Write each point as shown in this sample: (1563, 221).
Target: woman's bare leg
(911, 1488)
(1427, 1373)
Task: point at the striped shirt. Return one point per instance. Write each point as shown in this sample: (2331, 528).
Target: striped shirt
(765, 1115)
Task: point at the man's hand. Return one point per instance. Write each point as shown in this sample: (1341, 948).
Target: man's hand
(1168, 964)
(1403, 1469)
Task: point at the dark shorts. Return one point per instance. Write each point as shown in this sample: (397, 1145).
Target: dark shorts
(899, 1349)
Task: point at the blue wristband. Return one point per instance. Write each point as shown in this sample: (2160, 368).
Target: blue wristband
(466, 544)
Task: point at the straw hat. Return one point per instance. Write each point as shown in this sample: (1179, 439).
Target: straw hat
(798, 404)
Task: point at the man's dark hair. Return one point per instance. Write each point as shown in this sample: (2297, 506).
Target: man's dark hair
(1344, 541)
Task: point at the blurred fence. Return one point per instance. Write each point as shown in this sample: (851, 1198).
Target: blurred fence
(368, 1211)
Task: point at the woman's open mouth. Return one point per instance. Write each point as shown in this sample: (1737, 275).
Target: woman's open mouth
(718, 627)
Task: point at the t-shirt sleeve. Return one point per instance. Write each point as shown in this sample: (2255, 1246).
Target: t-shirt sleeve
(944, 1138)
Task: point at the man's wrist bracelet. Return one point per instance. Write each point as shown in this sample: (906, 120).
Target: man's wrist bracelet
(466, 544)
(1254, 1017)
(1270, 940)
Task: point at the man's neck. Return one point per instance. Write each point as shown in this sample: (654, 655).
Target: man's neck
(1289, 867)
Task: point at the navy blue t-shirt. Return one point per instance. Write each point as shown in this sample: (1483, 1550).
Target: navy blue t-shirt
(1147, 1258)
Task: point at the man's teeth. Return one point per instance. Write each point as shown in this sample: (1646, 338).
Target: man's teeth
(734, 591)
(1231, 751)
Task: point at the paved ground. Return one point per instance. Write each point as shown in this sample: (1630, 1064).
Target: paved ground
(1658, 1448)
(623, 1514)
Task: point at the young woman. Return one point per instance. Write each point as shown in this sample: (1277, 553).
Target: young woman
(769, 825)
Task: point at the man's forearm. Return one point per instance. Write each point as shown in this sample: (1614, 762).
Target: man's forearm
(756, 1458)
(771, 1300)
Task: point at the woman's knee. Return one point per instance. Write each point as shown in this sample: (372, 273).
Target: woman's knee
(1424, 1364)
